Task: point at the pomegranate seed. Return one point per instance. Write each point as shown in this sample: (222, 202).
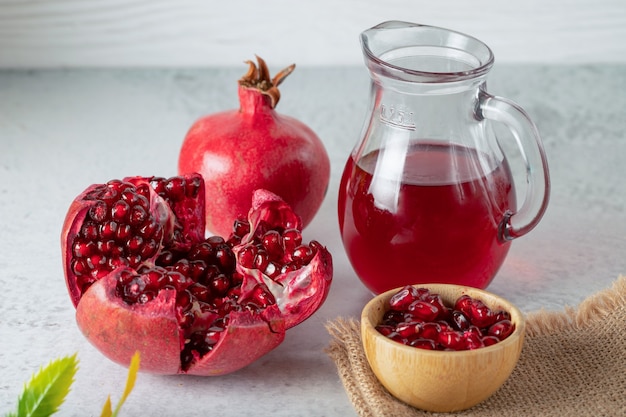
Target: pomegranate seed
(303, 254)
(83, 249)
(241, 227)
(134, 244)
(184, 299)
(502, 315)
(146, 297)
(137, 215)
(273, 243)
(153, 278)
(385, 329)
(423, 310)
(178, 280)
(149, 249)
(437, 302)
(481, 315)
(292, 238)
(225, 258)
(236, 278)
(233, 241)
(100, 272)
(215, 241)
(197, 269)
(175, 188)
(407, 330)
(130, 196)
(192, 187)
(474, 330)
(200, 292)
(201, 252)
(247, 255)
(451, 339)
(108, 230)
(472, 340)
(99, 212)
(272, 270)
(134, 260)
(96, 261)
(210, 273)
(220, 284)
(182, 267)
(123, 232)
(444, 325)
(143, 190)
(120, 211)
(233, 293)
(459, 320)
(262, 297)
(186, 319)
(463, 304)
(423, 344)
(105, 247)
(261, 260)
(89, 231)
(132, 290)
(111, 192)
(397, 338)
(213, 336)
(501, 329)
(401, 300)
(125, 278)
(149, 229)
(79, 267)
(490, 340)
(316, 246)
(165, 258)
(116, 262)
(430, 331)
(392, 317)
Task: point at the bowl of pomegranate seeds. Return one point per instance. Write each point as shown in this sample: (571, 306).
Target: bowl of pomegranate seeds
(441, 347)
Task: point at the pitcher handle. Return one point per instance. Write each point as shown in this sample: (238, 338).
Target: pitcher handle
(529, 143)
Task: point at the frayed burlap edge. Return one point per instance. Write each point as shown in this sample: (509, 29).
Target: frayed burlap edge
(573, 363)
(595, 307)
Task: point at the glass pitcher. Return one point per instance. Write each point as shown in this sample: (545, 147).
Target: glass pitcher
(427, 194)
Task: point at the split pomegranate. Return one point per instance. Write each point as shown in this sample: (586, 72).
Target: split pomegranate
(255, 147)
(143, 277)
(419, 318)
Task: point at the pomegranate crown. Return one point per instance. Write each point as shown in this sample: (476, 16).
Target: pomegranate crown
(258, 77)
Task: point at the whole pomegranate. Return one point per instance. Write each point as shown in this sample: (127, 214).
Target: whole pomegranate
(254, 147)
(143, 277)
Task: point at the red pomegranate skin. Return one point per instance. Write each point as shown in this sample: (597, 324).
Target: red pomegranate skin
(255, 147)
(153, 331)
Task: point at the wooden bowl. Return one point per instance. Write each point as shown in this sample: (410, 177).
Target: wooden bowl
(441, 381)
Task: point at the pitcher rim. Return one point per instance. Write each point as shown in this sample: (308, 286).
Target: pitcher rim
(484, 66)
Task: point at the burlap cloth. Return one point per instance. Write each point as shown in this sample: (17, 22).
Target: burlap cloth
(573, 364)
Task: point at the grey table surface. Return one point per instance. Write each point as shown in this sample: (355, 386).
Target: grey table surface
(61, 130)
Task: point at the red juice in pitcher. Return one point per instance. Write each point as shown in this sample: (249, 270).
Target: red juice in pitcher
(434, 218)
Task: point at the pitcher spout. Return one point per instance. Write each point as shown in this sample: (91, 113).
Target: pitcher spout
(421, 53)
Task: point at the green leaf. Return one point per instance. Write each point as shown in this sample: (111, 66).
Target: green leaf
(47, 389)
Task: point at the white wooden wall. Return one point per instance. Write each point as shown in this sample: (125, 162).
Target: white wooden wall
(167, 33)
